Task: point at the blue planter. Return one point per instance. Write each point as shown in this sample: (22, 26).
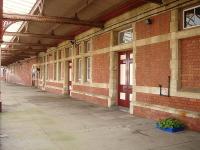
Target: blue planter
(171, 130)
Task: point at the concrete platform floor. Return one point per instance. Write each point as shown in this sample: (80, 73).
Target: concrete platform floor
(35, 120)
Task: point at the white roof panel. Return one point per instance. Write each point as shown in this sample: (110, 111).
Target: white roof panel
(18, 7)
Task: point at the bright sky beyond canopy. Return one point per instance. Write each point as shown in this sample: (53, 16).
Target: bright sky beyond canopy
(19, 7)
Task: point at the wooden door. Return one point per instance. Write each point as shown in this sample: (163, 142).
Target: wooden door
(125, 78)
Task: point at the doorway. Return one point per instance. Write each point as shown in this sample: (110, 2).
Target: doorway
(125, 78)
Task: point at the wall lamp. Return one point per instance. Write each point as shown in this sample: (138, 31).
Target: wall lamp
(148, 21)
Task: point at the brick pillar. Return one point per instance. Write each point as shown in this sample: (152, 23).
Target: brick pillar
(133, 100)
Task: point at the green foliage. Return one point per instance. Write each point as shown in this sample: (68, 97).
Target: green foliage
(170, 123)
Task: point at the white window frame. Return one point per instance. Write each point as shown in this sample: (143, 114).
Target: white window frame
(88, 68)
(121, 32)
(184, 17)
(88, 46)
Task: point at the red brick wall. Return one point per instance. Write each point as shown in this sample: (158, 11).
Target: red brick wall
(94, 90)
(50, 70)
(54, 84)
(192, 123)
(174, 102)
(62, 70)
(101, 41)
(100, 68)
(153, 64)
(160, 25)
(23, 73)
(153, 68)
(94, 100)
(190, 62)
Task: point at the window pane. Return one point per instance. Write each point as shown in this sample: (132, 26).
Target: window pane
(130, 97)
(70, 74)
(66, 52)
(122, 96)
(87, 46)
(70, 51)
(122, 74)
(59, 71)
(55, 70)
(197, 16)
(123, 57)
(88, 68)
(79, 49)
(131, 56)
(79, 69)
(70, 64)
(55, 55)
(192, 17)
(59, 54)
(125, 36)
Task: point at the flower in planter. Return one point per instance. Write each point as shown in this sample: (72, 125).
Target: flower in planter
(170, 125)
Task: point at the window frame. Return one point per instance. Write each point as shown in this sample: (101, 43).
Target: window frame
(55, 55)
(86, 46)
(184, 17)
(47, 72)
(59, 54)
(60, 71)
(88, 69)
(78, 49)
(79, 69)
(68, 52)
(118, 35)
(55, 71)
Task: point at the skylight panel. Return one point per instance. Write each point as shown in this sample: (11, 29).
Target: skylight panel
(16, 7)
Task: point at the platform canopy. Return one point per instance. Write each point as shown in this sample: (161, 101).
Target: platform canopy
(32, 26)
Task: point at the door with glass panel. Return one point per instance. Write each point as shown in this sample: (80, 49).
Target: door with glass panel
(125, 78)
(69, 77)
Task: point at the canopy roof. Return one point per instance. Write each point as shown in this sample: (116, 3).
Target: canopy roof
(45, 23)
(18, 7)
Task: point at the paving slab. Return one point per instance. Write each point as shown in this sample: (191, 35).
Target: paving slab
(35, 120)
